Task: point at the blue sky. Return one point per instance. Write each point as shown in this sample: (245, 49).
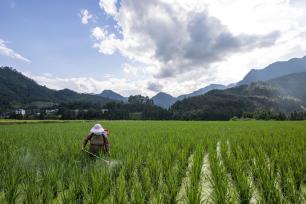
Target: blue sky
(51, 35)
(143, 47)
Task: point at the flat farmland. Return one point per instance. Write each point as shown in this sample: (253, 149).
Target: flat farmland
(155, 162)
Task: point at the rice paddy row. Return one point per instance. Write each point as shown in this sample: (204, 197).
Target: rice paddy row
(157, 162)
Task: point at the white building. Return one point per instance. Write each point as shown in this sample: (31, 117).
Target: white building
(104, 110)
(20, 112)
(51, 111)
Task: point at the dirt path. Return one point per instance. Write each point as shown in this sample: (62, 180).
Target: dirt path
(182, 194)
(255, 195)
(205, 183)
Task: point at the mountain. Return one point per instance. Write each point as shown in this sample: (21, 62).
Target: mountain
(17, 90)
(166, 100)
(163, 100)
(283, 94)
(203, 91)
(275, 70)
(112, 95)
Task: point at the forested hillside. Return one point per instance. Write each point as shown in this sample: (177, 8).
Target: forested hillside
(285, 94)
(17, 90)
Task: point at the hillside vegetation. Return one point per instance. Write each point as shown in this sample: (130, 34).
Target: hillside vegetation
(17, 90)
(284, 94)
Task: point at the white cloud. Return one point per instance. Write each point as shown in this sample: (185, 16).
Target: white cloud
(85, 16)
(154, 86)
(257, 16)
(109, 6)
(186, 45)
(260, 17)
(179, 46)
(180, 38)
(91, 85)
(106, 43)
(8, 52)
(130, 69)
(176, 40)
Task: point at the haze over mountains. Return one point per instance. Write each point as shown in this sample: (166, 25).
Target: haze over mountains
(280, 83)
(272, 71)
(163, 99)
(203, 91)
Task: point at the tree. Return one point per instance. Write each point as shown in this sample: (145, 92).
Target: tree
(139, 99)
(41, 115)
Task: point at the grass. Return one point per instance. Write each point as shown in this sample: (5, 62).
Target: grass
(42, 162)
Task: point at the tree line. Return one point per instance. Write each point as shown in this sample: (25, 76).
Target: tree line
(142, 108)
(270, 115)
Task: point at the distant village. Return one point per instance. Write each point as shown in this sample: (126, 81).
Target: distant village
(52, 113)
(138, 107)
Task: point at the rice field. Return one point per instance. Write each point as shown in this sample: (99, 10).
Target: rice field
(155, 162)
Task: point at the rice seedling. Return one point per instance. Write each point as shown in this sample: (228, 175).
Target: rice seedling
(238, 171)
(194, 188)
(42, 163)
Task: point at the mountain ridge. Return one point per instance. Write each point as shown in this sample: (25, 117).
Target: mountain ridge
(163, 99)
(275, 70)
(202, 91)
(112, 95)
(17, 89)
(272, 71)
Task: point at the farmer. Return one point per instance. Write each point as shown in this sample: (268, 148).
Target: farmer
(99, 142)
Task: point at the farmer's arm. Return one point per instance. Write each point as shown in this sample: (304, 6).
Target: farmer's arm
(85, 140)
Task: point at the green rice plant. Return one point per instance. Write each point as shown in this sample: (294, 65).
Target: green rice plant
(42, 163)
(11, 185)
(72, 193)
(172, 184)
(235, 165)
(193, 189)
(161, 194)
(98, 186)
(119, 190)
(49, 181)
(145, 183)
(265, 178)
(290, 168)
(219, 179)
(154, 166)
(137, 194)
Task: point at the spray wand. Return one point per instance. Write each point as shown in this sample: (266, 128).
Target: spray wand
(106, 161)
